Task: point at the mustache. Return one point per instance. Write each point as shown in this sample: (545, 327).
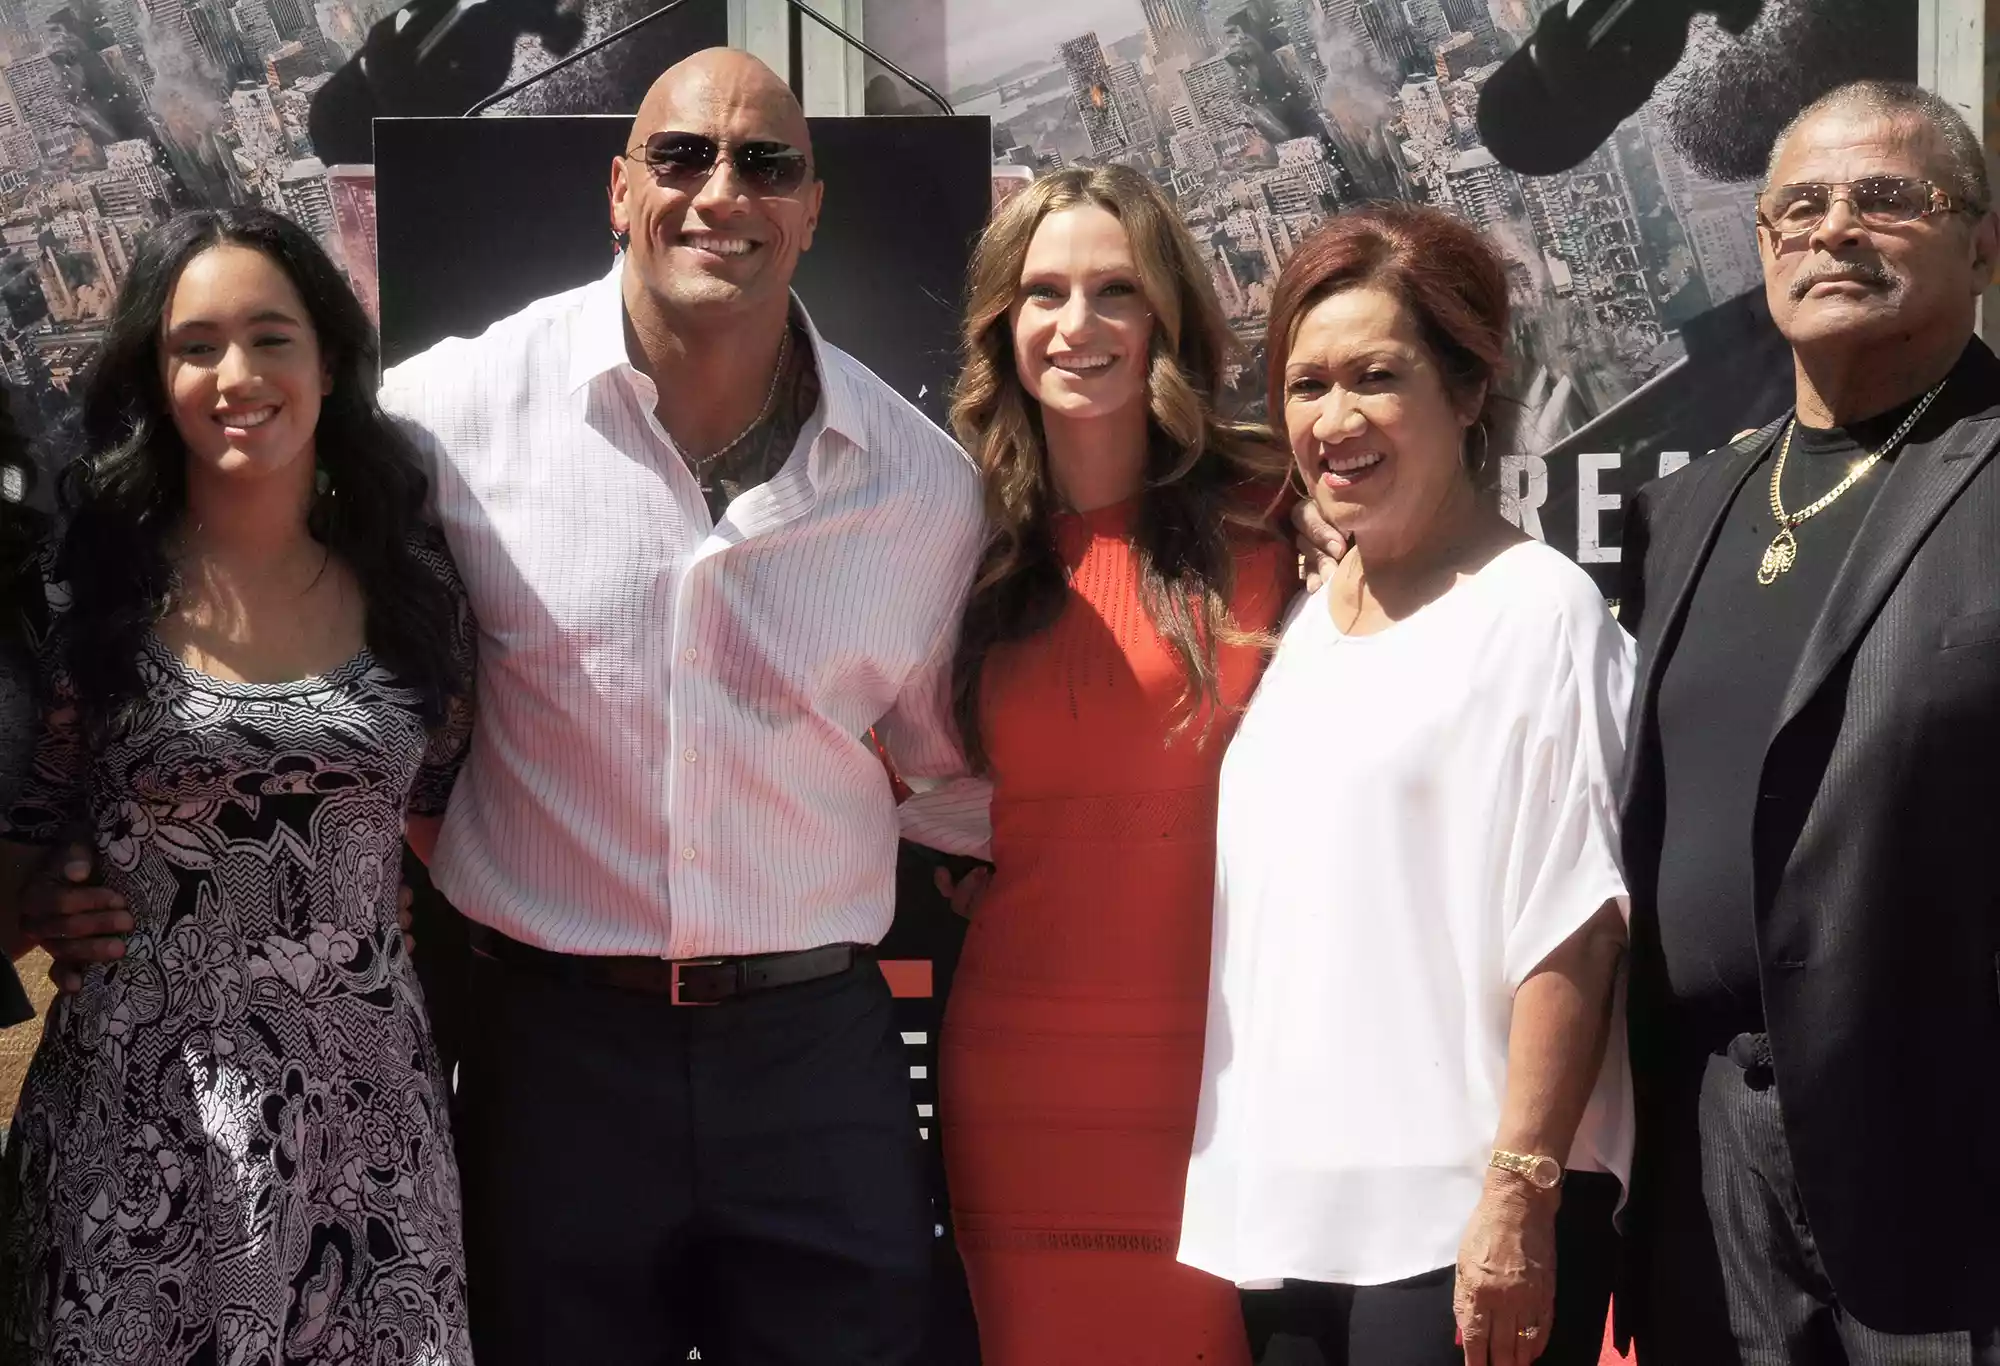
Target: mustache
(1871, 273)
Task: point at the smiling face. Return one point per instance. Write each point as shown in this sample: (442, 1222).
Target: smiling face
(715, 245)
(1372, 426)
(1848, 284)
(1081, 324)
(241, 365)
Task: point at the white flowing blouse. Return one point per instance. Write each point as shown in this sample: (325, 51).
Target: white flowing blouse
(1411, 821)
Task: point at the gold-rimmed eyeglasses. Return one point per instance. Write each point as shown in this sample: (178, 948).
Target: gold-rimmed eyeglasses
(1878, 201)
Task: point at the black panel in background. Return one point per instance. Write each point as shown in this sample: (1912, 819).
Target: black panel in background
(477, 217)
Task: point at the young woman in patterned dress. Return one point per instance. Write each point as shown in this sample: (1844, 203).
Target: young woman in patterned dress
(232, 1145)
(1107, 645)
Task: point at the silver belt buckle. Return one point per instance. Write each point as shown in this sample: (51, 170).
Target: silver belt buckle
(674, 982)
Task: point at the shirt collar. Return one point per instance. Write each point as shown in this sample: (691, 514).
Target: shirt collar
(598, 345)
(839, 403)
(598, 348)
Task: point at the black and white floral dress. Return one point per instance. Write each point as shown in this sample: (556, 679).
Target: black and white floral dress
(232, 1147)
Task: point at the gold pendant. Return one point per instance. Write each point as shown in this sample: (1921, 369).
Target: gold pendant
(1778, 557)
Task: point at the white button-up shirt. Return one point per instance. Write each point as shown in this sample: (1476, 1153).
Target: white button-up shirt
(671, 756)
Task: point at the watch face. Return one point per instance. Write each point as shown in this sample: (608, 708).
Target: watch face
(1547, 1173)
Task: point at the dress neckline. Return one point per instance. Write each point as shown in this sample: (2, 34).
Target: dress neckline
(1109, 517)
(355, 665)
(1321, 602)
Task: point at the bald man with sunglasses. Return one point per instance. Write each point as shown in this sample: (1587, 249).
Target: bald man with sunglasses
(708, 552)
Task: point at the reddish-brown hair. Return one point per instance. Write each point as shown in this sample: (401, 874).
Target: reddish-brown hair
(1442, 268)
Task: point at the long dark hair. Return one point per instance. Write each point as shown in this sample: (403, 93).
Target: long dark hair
(1208, 482)
(126, 488)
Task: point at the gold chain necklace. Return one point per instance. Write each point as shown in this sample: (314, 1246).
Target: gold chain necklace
(708, 462)
(1783, 551)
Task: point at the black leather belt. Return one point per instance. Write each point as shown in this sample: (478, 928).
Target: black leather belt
(683, 981)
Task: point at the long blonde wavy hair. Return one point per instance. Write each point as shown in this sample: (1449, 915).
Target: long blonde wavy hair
(1209, 481)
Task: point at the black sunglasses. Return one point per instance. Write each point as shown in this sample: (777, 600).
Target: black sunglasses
(686, 160)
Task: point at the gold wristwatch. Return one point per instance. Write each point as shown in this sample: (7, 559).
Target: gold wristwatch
(1543, 1173)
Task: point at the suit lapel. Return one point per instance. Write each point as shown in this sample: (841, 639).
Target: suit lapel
(1921, 485)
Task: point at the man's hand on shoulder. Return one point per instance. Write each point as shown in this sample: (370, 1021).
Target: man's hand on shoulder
(1320, 543)
(79, 924)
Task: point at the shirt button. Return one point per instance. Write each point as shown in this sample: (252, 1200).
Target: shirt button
(688, 853)
(690, 755)
(691, 654)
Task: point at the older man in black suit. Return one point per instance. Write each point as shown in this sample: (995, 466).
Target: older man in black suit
(1810, 813)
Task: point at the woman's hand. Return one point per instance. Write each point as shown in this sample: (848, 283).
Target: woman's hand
(963, 893)
(1506, 1293)
(1507, 1264)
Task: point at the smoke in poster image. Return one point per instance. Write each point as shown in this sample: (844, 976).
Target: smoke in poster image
(1634, 273)
(114, 113)
(1640, 334)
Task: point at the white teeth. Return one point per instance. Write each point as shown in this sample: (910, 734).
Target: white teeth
(718, 246)
(256, 417)
(1080, 362)
(1348, 464)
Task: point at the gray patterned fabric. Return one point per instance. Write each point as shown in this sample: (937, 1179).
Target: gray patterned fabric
(233, 1146)
(1763, 1298)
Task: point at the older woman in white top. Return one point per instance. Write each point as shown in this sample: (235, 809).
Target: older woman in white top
(1414, 1116)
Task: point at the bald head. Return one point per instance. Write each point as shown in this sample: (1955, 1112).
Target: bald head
(720, 85)
(714, 224)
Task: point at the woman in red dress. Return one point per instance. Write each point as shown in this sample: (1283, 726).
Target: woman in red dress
(1112, 636)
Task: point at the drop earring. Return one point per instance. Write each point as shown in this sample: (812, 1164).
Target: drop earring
(1478, 468)
(322, 481)
(621, 239)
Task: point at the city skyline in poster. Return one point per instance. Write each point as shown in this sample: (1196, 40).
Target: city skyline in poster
(1261, 118)
(115, 113)
(1263, 133)
(1264, 116)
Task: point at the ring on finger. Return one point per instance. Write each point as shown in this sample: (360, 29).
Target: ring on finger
(1533, 1330)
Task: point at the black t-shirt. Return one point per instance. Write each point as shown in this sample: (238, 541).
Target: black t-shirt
(1719, 700)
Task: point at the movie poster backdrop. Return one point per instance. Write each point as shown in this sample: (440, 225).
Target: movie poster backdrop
(1640, 342)
(1641, 339)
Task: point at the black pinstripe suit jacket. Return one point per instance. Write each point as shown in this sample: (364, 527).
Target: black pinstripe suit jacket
(1876, 856)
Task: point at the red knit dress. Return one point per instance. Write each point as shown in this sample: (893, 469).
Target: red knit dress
(1070, 1060)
